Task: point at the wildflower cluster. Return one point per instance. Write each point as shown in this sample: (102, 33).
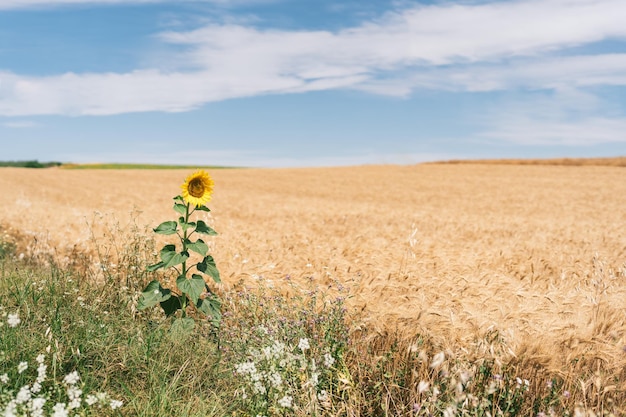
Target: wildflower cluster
(279, 378)
(27, 389)
(46, 397)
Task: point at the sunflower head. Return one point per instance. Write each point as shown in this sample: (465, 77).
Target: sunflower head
(198, 188)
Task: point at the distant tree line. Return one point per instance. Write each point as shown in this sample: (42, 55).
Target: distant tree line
(29, 164)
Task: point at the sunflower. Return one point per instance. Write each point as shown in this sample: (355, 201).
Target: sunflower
(198, 188)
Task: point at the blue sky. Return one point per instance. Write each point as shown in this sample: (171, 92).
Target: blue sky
(276, 83)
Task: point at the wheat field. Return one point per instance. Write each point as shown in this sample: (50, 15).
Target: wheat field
(531, 255)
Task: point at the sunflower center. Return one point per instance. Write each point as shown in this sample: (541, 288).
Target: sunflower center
(196, 188)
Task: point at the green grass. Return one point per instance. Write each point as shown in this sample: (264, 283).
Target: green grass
(88, 318)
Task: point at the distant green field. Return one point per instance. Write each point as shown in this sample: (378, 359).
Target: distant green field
(140, 166)
(29, 164)
(37, 164)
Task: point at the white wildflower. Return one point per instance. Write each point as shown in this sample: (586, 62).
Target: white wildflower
(286, 401)
(41, 372)
(91, 399)
(328, 360)
(21, 367)
(74, 394)
(323, 396)
(36, 388)
(4, 378)
(59, 410)
(276, 380)
(36, 406)
(314, 379)
(304, 344)
(115, 404)
(23, 395)
(245, 368)
(40, 358)
(11, 409)
(259, 388)
(13, 319)
(71, 378)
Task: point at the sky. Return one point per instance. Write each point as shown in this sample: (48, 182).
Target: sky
(298, 83)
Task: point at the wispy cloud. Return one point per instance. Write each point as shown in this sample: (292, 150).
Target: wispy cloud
(30, 4)
(457, 47)
(25, 4)
(247, 158)
(566, 117)
(20, 124)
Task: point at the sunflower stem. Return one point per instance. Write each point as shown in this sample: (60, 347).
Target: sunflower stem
(183, 301)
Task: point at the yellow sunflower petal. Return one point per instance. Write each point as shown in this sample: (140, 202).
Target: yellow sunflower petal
(198, 188)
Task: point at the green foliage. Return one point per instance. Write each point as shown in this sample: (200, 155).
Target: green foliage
(29, 164)
(191, 288)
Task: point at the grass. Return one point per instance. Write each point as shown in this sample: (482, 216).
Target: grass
(282, 350)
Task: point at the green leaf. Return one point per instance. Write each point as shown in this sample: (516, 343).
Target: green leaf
(152, 295)
(184, 225)
(154, 267)
(166, 228)
(182, 327)
(203, 208)
(202, 227)
(172, 258)
(198, 246)
(180, 208)
(208, 267)
(211, 306)
(179, 198)
(171, 305)
(192, 287)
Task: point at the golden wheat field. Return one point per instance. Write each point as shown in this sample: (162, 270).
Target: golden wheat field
(532, 255)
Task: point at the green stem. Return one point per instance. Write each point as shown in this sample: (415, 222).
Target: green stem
(183, 301)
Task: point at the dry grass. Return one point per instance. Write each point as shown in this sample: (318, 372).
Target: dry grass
(619, 161)
(528, 258)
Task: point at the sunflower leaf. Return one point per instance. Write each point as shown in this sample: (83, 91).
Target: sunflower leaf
(179, 198)
(192, 287)
(152, 295)
(154, 267)
(208, 267)
(185, 225)
(170, 306)
(198, 246)
(180, 208)
(182, 327)
(203, 208)
(210, 306)
(166, 228)
(171, 258)
(202, 227)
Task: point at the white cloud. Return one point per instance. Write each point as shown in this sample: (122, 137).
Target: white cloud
(30, 4)
(535, 73)
(20, 124)
(479, 47)
(588, 131)
(23, 4)
(256, 159)
(566, 117)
